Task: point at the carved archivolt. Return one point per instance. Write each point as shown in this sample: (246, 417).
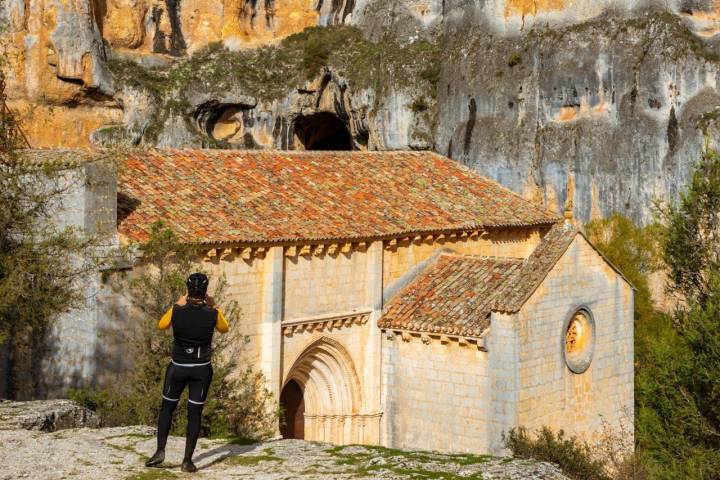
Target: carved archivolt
(334, 406)
(326, 373)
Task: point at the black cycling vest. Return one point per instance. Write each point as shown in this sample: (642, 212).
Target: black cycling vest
(193, 328)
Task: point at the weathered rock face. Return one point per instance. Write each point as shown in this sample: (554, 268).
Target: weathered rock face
(325, 88)
(622, 105)
(56, 69)
(619, 95)
(46, 415)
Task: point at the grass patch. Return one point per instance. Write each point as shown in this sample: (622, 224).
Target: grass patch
(251, 460)
(127, 448)
(431, 463)
(431, 474)
(143, 436)
(469, 459)
(240, 441)
(155, 474)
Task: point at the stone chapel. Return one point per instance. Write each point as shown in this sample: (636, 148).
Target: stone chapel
(398, 298)
(391, 298)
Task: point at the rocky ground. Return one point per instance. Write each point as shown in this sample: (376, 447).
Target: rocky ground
(119, 453)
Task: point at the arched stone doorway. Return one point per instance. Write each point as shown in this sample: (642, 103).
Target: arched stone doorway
(322, 131)
(331, 394)
(293, 404)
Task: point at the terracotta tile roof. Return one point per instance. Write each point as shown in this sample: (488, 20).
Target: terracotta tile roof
(456, 294)
(218, 196)
(453, 295)
(526, 279)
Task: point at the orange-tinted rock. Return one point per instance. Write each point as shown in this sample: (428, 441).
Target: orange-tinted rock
(123, 23)
(54, 51)
(705, 22)
(248, 24)
(533, 7)
(48, 126)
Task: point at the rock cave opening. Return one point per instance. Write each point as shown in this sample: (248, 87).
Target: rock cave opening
(323, 131)
(225, 122)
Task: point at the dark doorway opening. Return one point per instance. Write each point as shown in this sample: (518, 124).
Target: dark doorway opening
(293, 405)
(323, 131)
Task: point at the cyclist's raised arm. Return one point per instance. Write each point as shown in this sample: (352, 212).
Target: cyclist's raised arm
(166, 320)
(222, 324)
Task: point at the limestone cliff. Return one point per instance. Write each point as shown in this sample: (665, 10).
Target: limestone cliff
(618, 95)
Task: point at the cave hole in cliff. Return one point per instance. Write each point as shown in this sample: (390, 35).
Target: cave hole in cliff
(223, 121)
(322, 131)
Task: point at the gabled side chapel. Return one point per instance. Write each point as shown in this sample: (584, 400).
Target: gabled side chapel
(397, 298)
(391, 298)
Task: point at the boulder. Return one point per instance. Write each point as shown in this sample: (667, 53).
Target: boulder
(46, 415)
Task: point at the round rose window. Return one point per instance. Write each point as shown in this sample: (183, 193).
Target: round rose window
(579, 341)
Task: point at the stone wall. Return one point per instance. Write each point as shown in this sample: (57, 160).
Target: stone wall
(503, 348)
(326, 283)
(548, 392)
(292, 296)
(78, 352)
(245, 279)
(435, 395)
(332, 300)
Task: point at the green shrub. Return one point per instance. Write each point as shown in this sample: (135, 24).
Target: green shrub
(514, 59)
(431, 73)
(239, 402)
(678, 384)
(90, 397)
(316, 53)
(419, 105)
(573, 457)
(635, 251)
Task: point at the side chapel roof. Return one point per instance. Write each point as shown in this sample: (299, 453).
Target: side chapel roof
(456, 293)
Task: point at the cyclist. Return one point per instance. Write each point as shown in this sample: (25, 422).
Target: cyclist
(194, 320)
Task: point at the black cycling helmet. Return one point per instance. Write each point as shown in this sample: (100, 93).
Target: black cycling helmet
(197, 285)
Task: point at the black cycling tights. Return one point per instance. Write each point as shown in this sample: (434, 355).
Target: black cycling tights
(176, 377)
